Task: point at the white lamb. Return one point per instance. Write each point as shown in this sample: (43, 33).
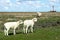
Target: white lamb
(29, 23)
(12, 25)
(39, 14)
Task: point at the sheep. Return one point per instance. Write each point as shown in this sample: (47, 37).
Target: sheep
(39, 14)
(12, 25)
(29, 24)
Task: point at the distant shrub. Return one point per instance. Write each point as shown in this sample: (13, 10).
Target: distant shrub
(50, 21)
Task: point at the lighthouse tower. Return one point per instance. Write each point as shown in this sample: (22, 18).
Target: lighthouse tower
(52, 10)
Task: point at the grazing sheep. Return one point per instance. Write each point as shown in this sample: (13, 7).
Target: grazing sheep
(39, 14)
(29, 23)
(12, 25)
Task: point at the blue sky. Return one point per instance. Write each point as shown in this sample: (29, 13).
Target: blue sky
(29, 5)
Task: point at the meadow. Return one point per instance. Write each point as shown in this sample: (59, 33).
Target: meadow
(52, 33)
(44, 29)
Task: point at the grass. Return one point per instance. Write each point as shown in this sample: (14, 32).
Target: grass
(48, 33)
(50, 30)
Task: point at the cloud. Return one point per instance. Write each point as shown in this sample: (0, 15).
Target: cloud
(18, 3)
(54, 1)
(33, 3)
(8, 1)
(5, 2)
(27, 4)
(36, 4)
(6, 8)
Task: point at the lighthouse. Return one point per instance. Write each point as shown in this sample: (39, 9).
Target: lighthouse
(53, 9)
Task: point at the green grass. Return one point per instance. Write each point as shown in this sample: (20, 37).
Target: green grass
(44, 29)
(48, 33)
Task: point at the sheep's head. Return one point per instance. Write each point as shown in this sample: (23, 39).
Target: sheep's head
(20, 22)
(39, 14)
(34, 19)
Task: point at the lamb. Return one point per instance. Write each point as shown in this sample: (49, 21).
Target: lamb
(12, 25)
(29, 23)
(39, 14)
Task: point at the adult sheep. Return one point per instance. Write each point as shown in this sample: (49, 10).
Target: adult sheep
(29, 23)
(12, 25)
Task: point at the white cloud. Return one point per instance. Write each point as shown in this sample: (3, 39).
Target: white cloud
(17, 0)
(8, 1)
(33, 3)
(59, 7)
(5, 2)
(38, 5)
(6, 8)
(18, 3)
(55, 1)
(29, 2)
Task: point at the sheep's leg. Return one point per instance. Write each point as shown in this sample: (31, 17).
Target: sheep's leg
(7, 31)
(24, 29)
(27, 29)
(14, 32)
(32, 28)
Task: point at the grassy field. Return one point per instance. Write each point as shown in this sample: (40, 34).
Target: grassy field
(29, 14)
(45, 29)
(48, 33)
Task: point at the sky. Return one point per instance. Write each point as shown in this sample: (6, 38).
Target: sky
(29, 5)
